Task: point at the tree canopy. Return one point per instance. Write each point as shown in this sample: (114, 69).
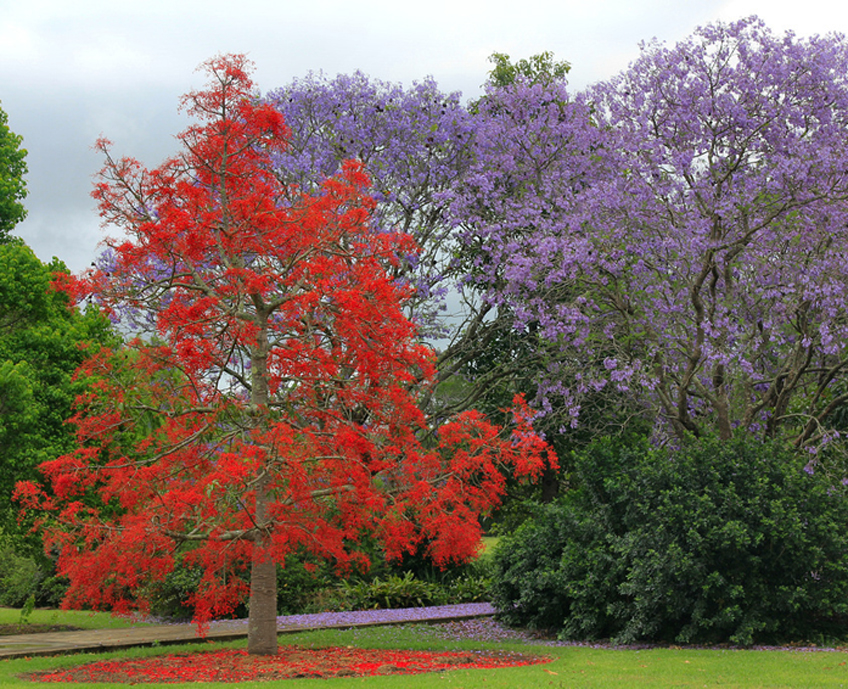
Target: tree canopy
(269, 404)
(413, 144)
(539, 68)
(42, 341)
(12, 184)
(680, 237)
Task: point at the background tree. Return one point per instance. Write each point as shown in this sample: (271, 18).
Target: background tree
(414, 144)
(537, 69)
(42, 342)
(271, 406)
(12, 185)
(417, 145)
(701, 267)
(534, 157)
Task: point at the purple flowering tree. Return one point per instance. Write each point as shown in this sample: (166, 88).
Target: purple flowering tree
(414, 145)
(417, 146)
(536, 154)
(679, 233)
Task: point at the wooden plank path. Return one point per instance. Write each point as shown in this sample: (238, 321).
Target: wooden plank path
(58, 643)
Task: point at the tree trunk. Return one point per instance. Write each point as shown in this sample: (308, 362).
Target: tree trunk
(262, 622)
(262, 619)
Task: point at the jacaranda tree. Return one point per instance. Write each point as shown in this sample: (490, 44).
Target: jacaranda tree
(535, 154)
(684, 241)
(414, 144)
(269, 404)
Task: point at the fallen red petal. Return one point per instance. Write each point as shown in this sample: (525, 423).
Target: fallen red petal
(290, 662)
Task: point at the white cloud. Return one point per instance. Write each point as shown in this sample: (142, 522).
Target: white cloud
(805, 18)
(75, 70)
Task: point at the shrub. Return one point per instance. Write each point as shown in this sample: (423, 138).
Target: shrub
(408, 591)
(168, 598)
(19, 578)
(392, 592)
(301, 581)
(715, 541)
(25, 576)
(51, 591)
(308, 585)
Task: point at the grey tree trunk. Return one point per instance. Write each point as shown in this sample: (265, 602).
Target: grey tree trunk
(262, 621)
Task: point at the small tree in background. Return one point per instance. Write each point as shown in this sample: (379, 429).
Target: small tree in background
(12, 185)
(42, 342)
(271, 406)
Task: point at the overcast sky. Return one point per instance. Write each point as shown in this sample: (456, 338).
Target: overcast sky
(73, 71)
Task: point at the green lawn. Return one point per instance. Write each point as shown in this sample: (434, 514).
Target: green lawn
(76, 618)
(572, 667)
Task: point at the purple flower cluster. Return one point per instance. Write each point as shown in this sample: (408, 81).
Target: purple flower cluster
(674, 237)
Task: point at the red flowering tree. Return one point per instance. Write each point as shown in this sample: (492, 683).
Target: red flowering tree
(268, 403)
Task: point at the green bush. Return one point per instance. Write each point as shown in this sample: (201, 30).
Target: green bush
(168, 598)
(308, 585)
(716, 541)
(51, 591)
(392, 592)
(413, 581)
(302, 584)
(20, 577)
(25, 572)
(408, 591)
(469, 589)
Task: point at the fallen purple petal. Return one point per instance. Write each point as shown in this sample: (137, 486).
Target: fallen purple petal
(358, 618)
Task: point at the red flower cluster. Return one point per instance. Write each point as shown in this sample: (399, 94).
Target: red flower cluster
(289, 663)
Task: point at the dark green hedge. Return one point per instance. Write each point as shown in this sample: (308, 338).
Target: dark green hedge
(712, 542)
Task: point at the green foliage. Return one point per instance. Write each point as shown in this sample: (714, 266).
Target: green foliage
(19, 577)
(469, 588)
(40, 349)
(28, 607)
(392, 592)
(407, 591)
(51, 590)
(24, 576)
(308, 585)
(169, 598)
(12, 185)
(302, 585)
(716, 541)
(538, 69)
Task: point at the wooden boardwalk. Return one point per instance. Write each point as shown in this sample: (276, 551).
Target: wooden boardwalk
(96, 640)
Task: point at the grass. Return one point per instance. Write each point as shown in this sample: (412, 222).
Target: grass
(572, 667)
(75, 618)
(489, 545)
